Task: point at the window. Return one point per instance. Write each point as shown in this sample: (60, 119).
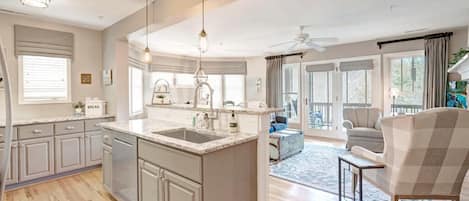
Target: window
(407, 77)
(290, 91)
(215, 82)
(234, 89)
(356, 88)
(135, 91)
(44, 80)
(184, 80)
(155, 76)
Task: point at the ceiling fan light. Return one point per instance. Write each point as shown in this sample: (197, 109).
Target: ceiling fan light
(147, 58)
(36, 3)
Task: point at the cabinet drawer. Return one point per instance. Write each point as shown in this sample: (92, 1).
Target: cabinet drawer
(2, 133)
(35, 131)
(69, 127)
(92, 124)
(182, 163)
(107, 137)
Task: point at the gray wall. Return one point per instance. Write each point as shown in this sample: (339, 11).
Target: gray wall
(87, 59)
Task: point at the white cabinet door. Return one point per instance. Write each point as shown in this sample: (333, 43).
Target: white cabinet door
(149, 182)
(69, 152)
(177, 188)
(36, 158)
(107, 167)
(12, 174)
(93, 148)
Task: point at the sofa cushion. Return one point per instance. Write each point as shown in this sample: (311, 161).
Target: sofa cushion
(365, 132)
(362, 117)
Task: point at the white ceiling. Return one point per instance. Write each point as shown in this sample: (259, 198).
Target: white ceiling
(249, 27)
(84, 13)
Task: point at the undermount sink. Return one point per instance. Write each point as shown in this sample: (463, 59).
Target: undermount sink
(189, 135)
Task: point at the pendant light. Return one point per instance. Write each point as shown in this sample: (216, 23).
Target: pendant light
(147, 54)
(203, 43)
(199, 74)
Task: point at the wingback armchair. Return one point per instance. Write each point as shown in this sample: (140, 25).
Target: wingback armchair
(363, 128)
(426, 155)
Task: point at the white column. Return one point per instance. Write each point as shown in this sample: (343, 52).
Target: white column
(263, 168)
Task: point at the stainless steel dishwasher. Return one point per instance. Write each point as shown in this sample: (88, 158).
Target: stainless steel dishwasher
(124, 167)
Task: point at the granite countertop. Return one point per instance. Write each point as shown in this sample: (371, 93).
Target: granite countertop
(54, 119)
(237, 109)
(144, 128)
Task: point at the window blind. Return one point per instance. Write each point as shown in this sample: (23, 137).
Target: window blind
(225, 67)
(44, 78)
(42, 42)
(356, 65)
(320, 67)
(173, 65)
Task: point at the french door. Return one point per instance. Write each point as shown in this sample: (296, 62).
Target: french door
(322, 105)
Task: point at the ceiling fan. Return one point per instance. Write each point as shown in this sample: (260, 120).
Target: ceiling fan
(304, 41)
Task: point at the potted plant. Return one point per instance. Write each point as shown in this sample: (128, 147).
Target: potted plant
(458, 56)
(79, 108)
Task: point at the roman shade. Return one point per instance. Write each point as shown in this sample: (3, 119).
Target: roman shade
(42, 42)
(320, 67)
(225, 67)
(356, 65)
(133, 62)
(136, 58)
(173, 65)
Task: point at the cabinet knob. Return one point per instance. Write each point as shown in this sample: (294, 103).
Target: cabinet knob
(69, 127)
(37, 131)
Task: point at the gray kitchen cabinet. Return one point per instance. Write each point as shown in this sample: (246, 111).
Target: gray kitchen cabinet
(107, 167)
(177, 188)
(93, 148)
(36, 158)
(12, 174)
(69, 152)
(149, 182)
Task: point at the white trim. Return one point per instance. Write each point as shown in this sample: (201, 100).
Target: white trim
(21, 100)
(136, 113)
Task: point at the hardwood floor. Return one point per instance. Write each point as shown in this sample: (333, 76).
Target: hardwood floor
(87, 187)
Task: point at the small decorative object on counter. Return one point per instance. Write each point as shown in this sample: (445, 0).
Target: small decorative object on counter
(233, 123)
(95, 107)
(78, 108)
(161, 93)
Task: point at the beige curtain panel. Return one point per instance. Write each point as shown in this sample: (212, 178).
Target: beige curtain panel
(42, 42)
(274, 81)
(436, 72)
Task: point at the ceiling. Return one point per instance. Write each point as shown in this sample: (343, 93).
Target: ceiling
(249, 27)
(94, 14)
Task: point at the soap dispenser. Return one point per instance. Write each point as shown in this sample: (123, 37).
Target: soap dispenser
(233, 123)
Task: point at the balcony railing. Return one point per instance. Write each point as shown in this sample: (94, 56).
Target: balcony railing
(405, 109)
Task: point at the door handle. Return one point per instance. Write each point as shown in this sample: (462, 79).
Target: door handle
(69, 127)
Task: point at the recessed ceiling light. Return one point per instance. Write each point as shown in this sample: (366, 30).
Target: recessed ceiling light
(36, 3)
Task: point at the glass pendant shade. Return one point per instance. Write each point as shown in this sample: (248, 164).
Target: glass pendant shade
(203, 42)
(36, 3)
(200, 76)
(147, 58)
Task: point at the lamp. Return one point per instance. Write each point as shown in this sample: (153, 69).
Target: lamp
(394, 92)
(36, 3)
(199, 75)
(147, 58)
(203, 42)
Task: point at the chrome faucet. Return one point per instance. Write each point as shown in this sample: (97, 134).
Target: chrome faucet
(213, 115)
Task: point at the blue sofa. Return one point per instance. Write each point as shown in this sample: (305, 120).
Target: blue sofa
(280, 123)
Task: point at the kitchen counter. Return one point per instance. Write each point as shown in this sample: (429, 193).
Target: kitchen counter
(54, 119)
(227, 109)
(144, 128)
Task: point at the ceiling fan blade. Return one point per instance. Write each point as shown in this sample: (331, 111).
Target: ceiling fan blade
(281, 44)
(293, 46)
(325, 39)
(315, 46)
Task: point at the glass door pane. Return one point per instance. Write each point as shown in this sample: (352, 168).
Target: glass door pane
(290, 91)
(320, 108)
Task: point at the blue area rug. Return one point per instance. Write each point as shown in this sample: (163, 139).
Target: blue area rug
(317, 167)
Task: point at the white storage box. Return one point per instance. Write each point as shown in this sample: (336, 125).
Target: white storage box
(95, 108)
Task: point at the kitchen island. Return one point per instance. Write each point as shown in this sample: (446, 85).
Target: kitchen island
(143, 161)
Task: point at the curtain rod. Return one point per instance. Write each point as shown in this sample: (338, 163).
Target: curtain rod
(286, 55)
(426, 37)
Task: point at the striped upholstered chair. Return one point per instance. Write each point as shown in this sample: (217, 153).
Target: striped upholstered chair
(426, 155)
(363, 128)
